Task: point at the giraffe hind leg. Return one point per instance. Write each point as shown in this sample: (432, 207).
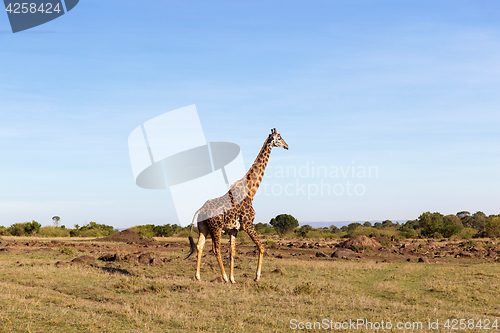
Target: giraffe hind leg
(232, 241)
(203, 230)
(216, 249)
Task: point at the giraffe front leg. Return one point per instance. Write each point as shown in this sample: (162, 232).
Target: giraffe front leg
(216, 250)
(259, 265)
(253, 235)
(232, 241)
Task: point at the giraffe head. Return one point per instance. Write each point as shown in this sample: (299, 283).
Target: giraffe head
(276, 140)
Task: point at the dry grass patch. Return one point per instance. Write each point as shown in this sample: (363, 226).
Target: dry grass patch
(38, 296)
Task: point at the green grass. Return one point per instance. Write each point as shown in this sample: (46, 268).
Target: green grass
(37, 296)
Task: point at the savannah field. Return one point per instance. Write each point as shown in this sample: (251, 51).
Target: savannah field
(130, 284)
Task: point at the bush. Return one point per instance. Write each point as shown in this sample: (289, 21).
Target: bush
(4, 231)
(322, 233)
(185, 232)
(264, 228)
(49, 231)
(93, 233)
(451, 230)
(431, 224)
(467, 233)
(145, 230)
(165, 230)
(26, 228)
(66, 250)
(437, 235)
(334, 229)
(92, 229)
(303, 230)
(409, 234)
(366, 231)
(492, 228)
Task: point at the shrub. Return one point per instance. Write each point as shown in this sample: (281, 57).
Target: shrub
(467, 233)
(66, 250)
(92, 229)
(4, 231)
(26, 228)
(437, 235)
(322, 233)
(264, 228)
(334, 229)
(145, 230)
(303, 230)
(492, 228)
(366, 231)
(431, 224)
(409, 234)
(451, 230)
(185, 232)
(306, 288)
(50, 231)
(165, 230)
(93, 233)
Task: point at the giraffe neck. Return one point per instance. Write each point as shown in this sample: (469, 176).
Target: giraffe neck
(256, 172)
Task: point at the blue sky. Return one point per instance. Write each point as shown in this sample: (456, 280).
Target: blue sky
(408, 88)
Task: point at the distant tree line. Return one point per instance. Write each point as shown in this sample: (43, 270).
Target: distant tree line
(34, 228)
(437, 225)
(428, 225)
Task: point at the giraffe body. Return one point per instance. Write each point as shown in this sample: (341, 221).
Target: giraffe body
(233, 212)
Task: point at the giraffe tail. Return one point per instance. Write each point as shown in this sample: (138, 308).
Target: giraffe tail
(192, 244)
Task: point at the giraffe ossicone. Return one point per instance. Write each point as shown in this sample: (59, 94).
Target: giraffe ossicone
(233, 212)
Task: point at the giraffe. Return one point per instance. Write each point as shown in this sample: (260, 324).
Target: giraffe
(233, 212)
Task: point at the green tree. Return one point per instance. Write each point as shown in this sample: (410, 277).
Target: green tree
(387, 224)
(466, 219)
(334, 229)
(284, 223)
(492, 228)
(452, 225)
(431, 223)
(409, 225)
(479, 220)
(56, 220)
(32, 227)
(352, 226)
(367, 224)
